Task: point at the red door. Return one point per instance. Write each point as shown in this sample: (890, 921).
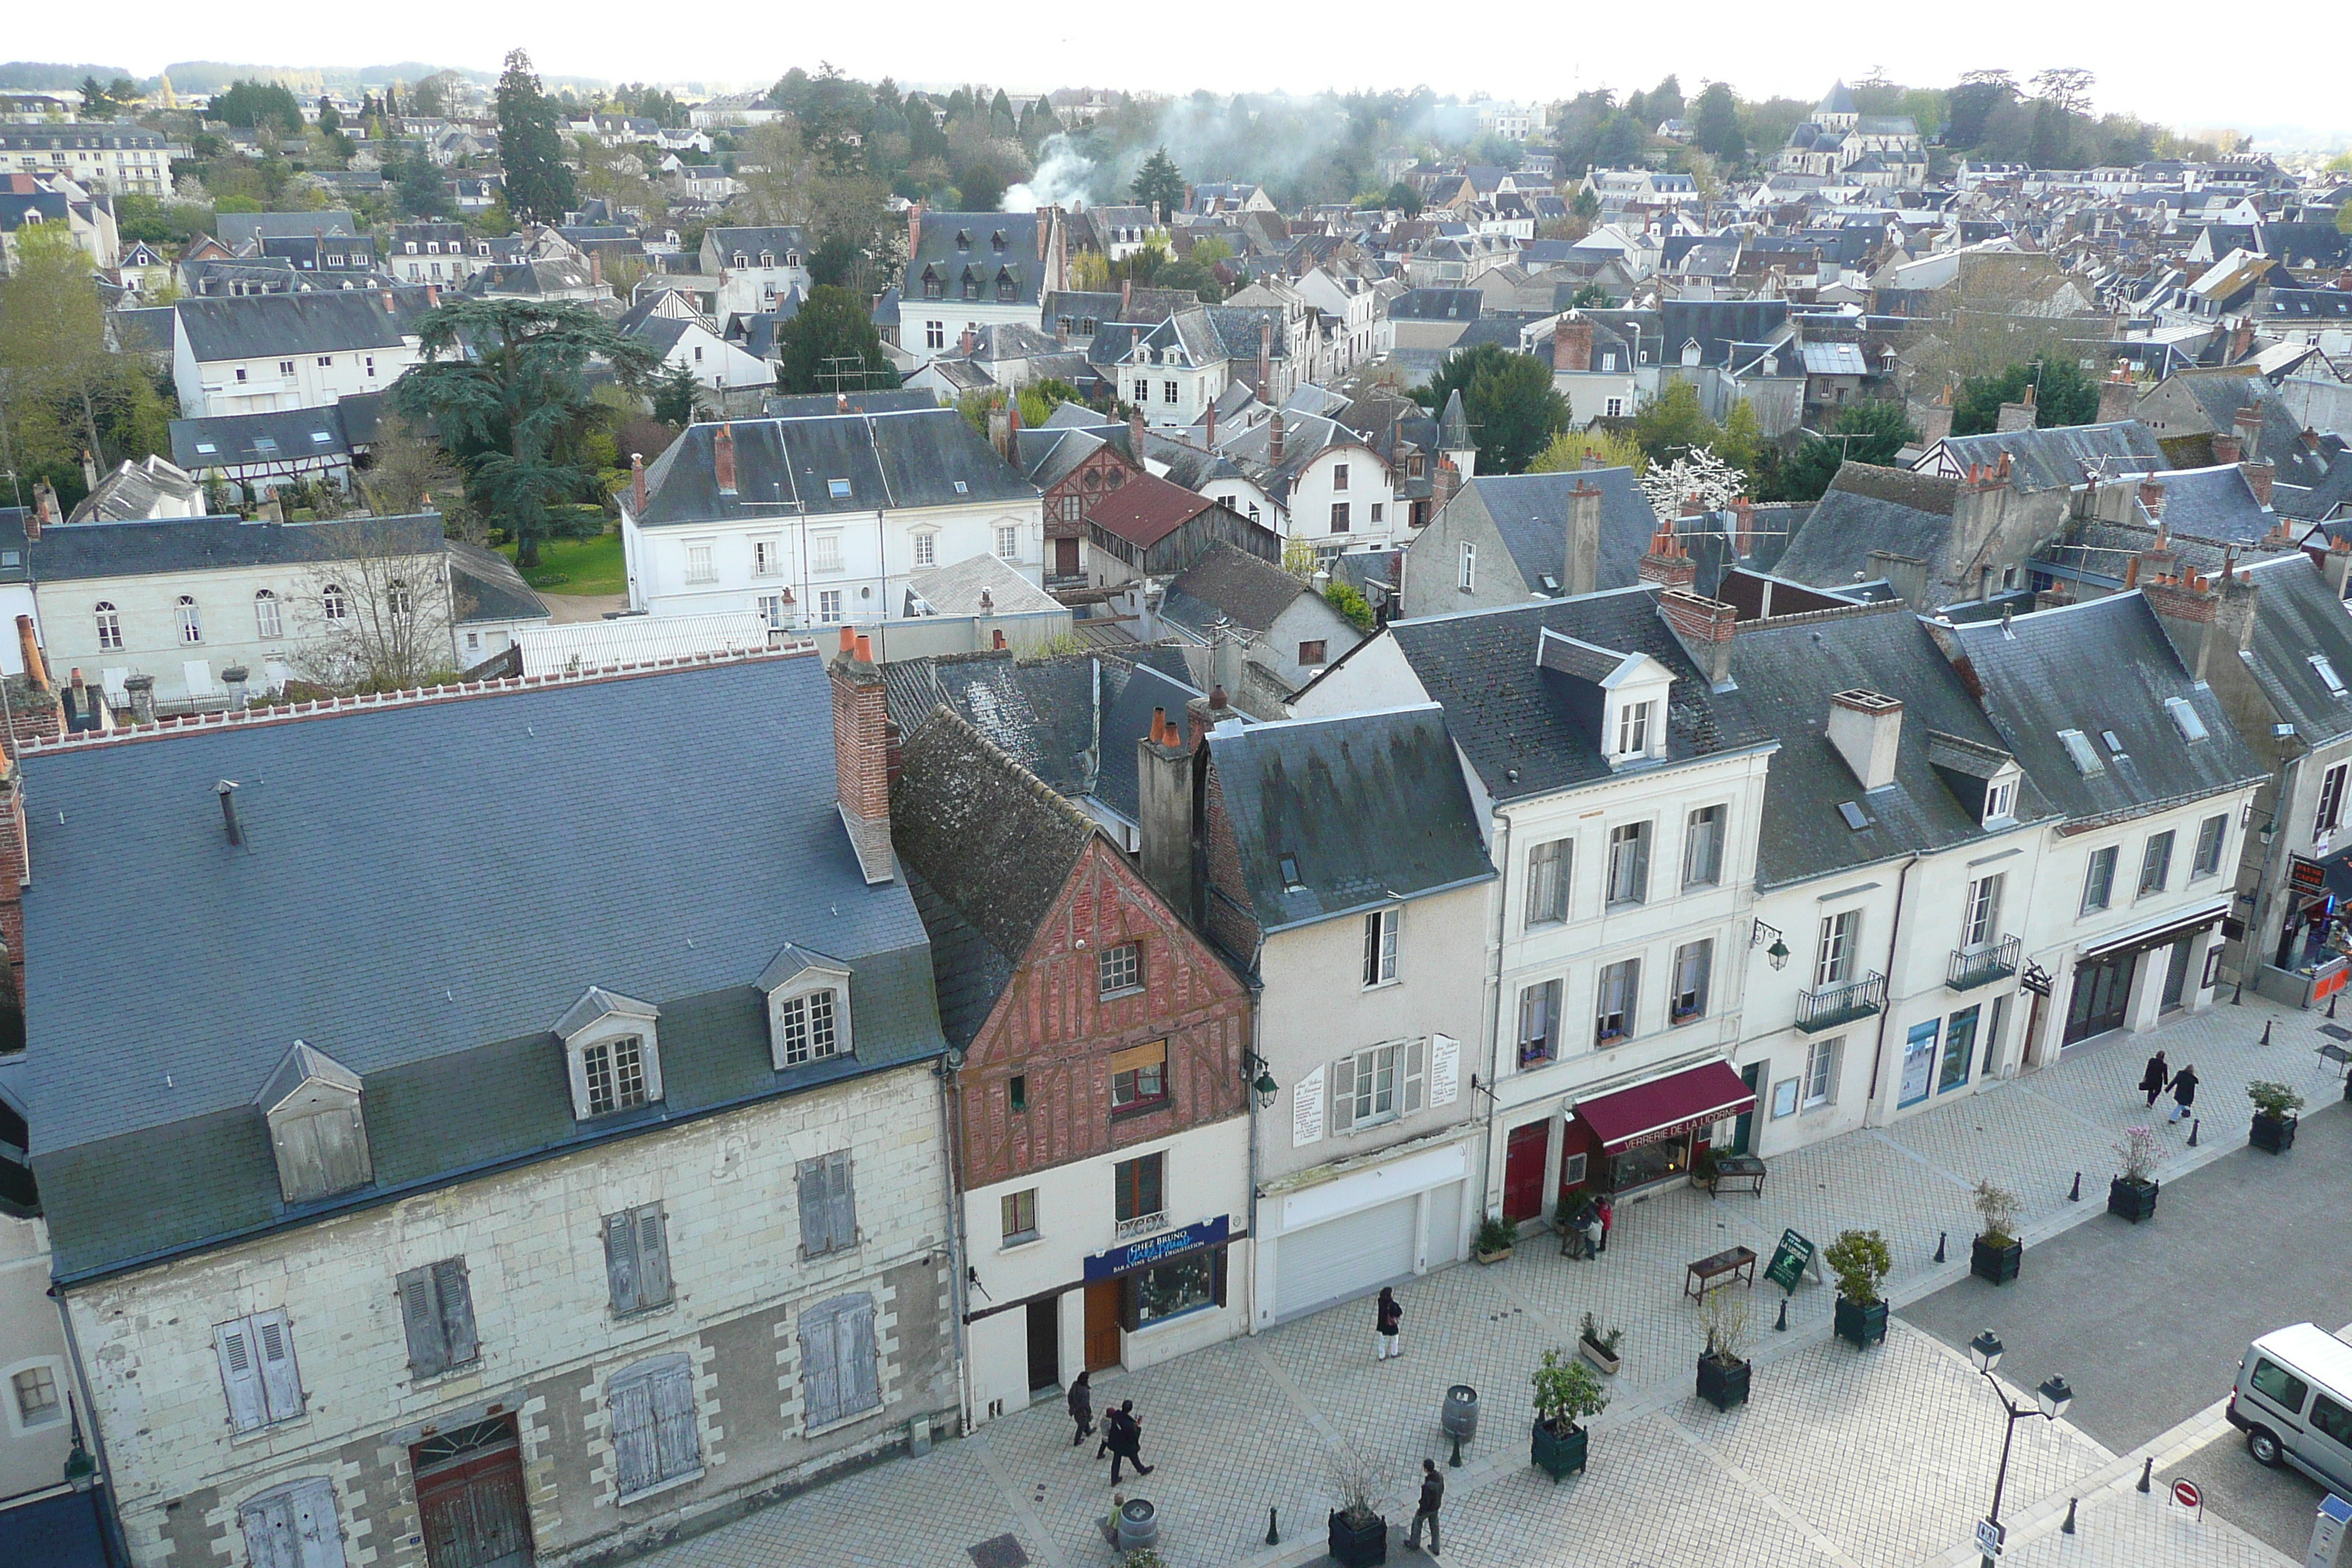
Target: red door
(1065, 558)
(469, 1498)
(1523, 1171)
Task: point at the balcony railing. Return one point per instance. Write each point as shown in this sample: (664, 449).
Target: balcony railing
(1981, 966)
(1141, 1225)
(1826, 1009)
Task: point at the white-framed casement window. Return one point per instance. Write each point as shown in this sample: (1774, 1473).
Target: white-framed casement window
(927, 549)
(840, 1367)
(1694, 969)
(1008, 542)
(334, 603)
(2211, 833)
(1633, 721)
(1629, 863)
(1465, 569)
(292, 1526)
(701, 562)
(655, 1442)
(1548, 870)
(191, 628)
(2000, 800)
(828, 1203)
(266, 619)
(1833, 960)
(1381, 929)
(767, 557)
(1614, 1004)
(259, 1370)
(935, 334)
(33, 1391)
(612, 1052)
(824, 552)
(436, 1309)
(1018, 1214)
(2156, 864)
(1538, 1023)
(1819, 1087)
(636, 1259)
(1383, 1083)
(1703, 847)
(808, 1009)
(2099, 880)
(828, 606)
(1118, 969)
(110, 625)
(2330, 816)
(772, 610)
(1981, 924)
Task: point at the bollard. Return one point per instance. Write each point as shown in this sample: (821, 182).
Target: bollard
(2147, 1470)
(2331, 1004)
(1456, 1462)
(2075, 1195)
(1783, 1326)
(2266, 1033)
(2194, 1123)
(1272, 1536)
(2238, 997)
(2068, 1528)
(1939, 1246)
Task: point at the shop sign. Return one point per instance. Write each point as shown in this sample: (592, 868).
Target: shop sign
(1150, 1250)
(1679, 1130)
(2306, 876)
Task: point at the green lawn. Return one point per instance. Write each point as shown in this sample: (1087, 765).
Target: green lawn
(578, 565)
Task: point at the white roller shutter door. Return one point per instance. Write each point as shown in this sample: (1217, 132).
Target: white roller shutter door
(1344, 1258)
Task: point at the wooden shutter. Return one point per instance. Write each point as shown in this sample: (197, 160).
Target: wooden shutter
(820, 1376)
(317, 1535)
(456, 1297)
(860, 1366)
(653, 1258)
(281, 1381)
(636, 1453)
(269, 1539)
(240, 1375)
(816, 1212)
(1343, 1094)
(1416, 1077)
(427, 1355)
(844, 1199)
(677, 1446)
(621, 1261)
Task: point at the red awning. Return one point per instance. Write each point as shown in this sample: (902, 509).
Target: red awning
(1665, 1107)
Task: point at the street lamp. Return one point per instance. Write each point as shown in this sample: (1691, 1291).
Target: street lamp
(1263, 1085)
(2049, 1402)
(1777, 955)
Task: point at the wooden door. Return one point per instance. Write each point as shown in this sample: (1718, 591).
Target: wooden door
(1523, 1171)
(1065, 558)
(1743, 1131)
(1102, 1324)
(469, 1497)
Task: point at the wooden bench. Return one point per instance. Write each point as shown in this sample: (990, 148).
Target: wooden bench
(1721, 1269)
(1736, 1169)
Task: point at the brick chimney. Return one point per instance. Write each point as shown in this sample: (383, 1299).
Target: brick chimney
(1274, 438)
(637, 484)
(914, 233)
(2248, 423)
(1126, 296)
(1977, 507)
(1135, 434)
(2260, 478)
(1704, 627)
(1163, 766)
(2018, 416)
(16, 875)
(1571, 344)
(1743, 526)
(1580, 560)
(37, 674)
(722, 458)
(862, 743)
(2118, 393)
(2225, 446)
(2151, 500)
(44, 512)
(1866, 727)
(1668, 564)
(1445, 481)
(2185, 607)
(2233, 616)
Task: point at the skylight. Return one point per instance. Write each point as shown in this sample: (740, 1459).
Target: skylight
(1290, 871)
(839, 488)
(2114, 741)
(1854, 817)
(2078, 749)
(2185, 719)
(2319, 661)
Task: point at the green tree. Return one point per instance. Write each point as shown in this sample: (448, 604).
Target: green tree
(1565, 453)
(330, 118)
(1159, 185)
(830, 346)
(506, 384)
(1873, 431)
(1674, 422)
(1666, 100)
(1403, 198)
(64, 392)
(1622, 143)
(256, 104)
(1740, 438)
(1513, 408)
(418, 187)
(2064, 394)
(97, 103)
(980, 185)
(1715, 127)
(674, 396)
(538, 182)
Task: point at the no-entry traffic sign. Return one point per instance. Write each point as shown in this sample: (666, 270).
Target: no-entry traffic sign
(2186, 1494)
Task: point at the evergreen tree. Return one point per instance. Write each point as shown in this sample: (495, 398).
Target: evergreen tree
(1512, 408)
(538, 182)
(1715, 127)
(1158, 184)
(2063, 395)
(1666, 100)
(830, 346)
(1872, 431)
(417, 186)
(330, 118)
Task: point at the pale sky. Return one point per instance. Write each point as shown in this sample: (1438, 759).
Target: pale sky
(2169, 66)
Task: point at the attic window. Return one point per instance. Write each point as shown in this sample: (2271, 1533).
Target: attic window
(321, 437)
(1855, 817)
(2185, 719)
(837, 489)
(1289, 864)
(206, 447)
(2078, 751)
(2114, 741)
(962, 489)
(2319, 661)
(612, 1053)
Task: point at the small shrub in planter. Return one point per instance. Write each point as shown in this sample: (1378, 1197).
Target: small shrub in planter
(1723, 1368)
(1598, 1347)
(1996, 1254)
(2274, 1115)
(1861, 1261)
(1704, 1166)
(1566, 1392)
(1495, 1239)
(2132, 1191)
(1358, 1535)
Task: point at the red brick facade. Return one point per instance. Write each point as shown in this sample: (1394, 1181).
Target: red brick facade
(1052, 1028)
(1228, 902)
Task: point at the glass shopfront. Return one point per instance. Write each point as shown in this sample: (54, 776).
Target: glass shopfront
(1652, 1163)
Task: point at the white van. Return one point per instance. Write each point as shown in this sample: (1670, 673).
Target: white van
(2294, 1402)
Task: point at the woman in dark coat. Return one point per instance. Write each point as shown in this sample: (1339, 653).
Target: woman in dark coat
(2184, 1092)
(2153, 1080)
(1388, 1316)
(1082, 1408)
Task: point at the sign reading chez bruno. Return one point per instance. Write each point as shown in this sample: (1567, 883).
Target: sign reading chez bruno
(1145, 1251)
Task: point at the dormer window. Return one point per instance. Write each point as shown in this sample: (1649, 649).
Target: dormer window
(2000, 800)
(767, 258)
(808, 1007)
(1007, 290)
(316, 1131)
(1633, 723)
(971, 286)
(612, 1053)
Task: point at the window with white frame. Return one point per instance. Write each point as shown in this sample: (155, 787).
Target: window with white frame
(1820, 1085)
(1380, 931)
(334, 603)
(1538, 1023)
(1384, 1083)
(655, 1442)
(2156, 864)
(1612, 1012)
(699, 565)
(1466, 571)
(636, 1259)
(2209, 835)
(1008, 542)
(1629, 863)
(1633, 719)
(614, 1070)
(1118, 969)
(1981, 924)
(1694, 968)
(809, 1022)
(1548, 870)
(267, 620)
(1834, 963)
(767, 557)
(190, 628)
(935, 333)
(2330, 816)
(436, 1309)
(2099, 880)
(828, 606)
(38, 1403)
(399, 599)
(1703, 847)
(772, 610)
(2000, 800)
(824, 553)
(927, 549)
(110, 625)
(828, 1203)
(840, 1369)
(258, 1370)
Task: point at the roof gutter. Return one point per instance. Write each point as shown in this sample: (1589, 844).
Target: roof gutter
(1490, 874)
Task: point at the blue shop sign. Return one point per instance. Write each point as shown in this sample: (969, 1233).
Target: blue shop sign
(1152, 1249)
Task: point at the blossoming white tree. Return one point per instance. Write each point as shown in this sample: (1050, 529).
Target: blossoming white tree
(1696, 476)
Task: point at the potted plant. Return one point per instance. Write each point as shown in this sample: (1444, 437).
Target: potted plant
(1703, 1167)
(1723, 1367)
(1860, 1261)
(2274, 1115)
(1497, 1236)
(1360, 1536)
(2131, 1192)
(1599, 1348)
(1143, 1557)
(1566, 1392)
(1996, 1254)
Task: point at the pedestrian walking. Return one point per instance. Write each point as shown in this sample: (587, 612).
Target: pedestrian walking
(2184, 1092)
(1082, 1409)
(1123, 1431)
(1432, 1497)
(2153, 1080)
(1387, 1317)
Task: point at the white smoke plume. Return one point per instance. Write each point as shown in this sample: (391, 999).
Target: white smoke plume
(1062, 179)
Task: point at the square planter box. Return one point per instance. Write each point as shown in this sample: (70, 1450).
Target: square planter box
(2274, 1134)
(1723, 1385)
(1495, 1257)
(1600, 1358)
(1862, 1326)
(2135, 1201)
(1997, 1263)
(1556, 1454)
(1359, 1545)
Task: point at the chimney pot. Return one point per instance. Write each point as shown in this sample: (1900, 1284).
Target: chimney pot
(637, 483)
(37, 674)
(722, 459)
(865, 650)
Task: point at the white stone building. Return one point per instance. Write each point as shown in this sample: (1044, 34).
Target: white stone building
(254, 352)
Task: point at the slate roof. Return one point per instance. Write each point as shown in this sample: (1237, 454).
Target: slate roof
(265, 326)
(487, 913)
(2032, 674)
(1370, 807)
(281, 435)
(2063, 456)
(152, 546)
(784, 467)
(2219, 394)
(1869, 508)
(1790, 672)
(989, 246)
(485, 586)
(2320, 501)
(1231, 583)
(1517, 726)
(2213, 503)
(2296, 616)
(815, 405)
(1530, 511)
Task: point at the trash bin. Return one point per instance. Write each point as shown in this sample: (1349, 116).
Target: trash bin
(1461, 1416)
(1138, 1525)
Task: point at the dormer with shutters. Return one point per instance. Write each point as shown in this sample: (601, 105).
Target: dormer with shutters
(808, 1007)
(316, 1129)
(612, 1053)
